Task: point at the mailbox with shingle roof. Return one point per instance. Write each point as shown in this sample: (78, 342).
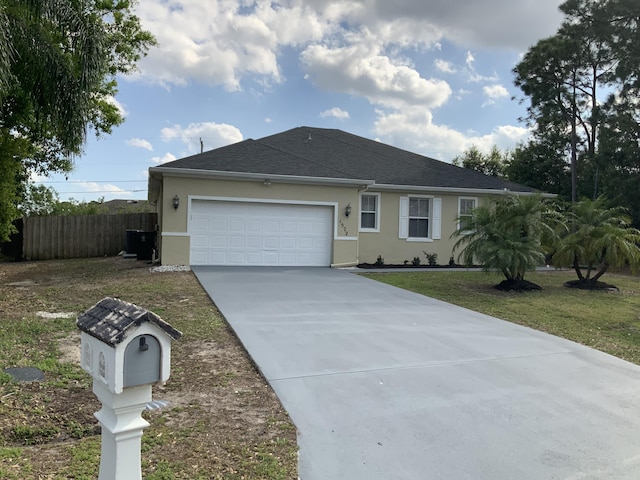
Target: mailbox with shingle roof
(126, 349)
(123, 345)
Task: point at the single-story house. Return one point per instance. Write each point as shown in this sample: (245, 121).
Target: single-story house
(312, 197)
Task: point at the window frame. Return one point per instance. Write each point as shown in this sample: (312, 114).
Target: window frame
(435, 218)
(428, 218)
(460, 199)
(376, 229)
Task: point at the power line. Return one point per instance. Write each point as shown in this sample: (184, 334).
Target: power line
(92, 181)
(102, 191)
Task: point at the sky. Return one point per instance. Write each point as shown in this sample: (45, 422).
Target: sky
(430, 76)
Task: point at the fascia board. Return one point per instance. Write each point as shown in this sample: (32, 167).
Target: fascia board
(456, 190)
(261, 177)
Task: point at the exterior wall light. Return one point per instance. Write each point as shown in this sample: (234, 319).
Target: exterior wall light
(267, 182)
(176, 202)
(347, 210)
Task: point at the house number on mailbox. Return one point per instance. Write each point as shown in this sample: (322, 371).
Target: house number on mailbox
(142, 361)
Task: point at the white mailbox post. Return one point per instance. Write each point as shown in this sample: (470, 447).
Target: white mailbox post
(126, 349)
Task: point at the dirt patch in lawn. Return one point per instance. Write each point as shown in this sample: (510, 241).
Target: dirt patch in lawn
(222, 420)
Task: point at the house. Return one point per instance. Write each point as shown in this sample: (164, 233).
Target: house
(312, 197)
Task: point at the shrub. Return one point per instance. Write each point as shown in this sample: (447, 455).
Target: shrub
(432, 258)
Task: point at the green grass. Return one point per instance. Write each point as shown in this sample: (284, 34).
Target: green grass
(606, 320)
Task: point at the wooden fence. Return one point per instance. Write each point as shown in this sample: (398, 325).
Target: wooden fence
(81, 236)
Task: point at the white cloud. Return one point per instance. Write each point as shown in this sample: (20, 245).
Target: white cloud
(415, 130)
(475, 77)
(469, 60)
(493, 93)
(213, 135)
(95, 187)
(218, 42)
(362, 70)
(140, 143)
(167, 157)
(445, 66)
(335, 112)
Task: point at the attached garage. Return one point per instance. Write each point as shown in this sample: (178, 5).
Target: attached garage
(260, 233)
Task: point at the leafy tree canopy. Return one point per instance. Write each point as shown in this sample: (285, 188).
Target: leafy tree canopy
(493, 163)
(580, 78)
(58, 65)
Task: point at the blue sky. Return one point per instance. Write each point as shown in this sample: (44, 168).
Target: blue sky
(430, 76)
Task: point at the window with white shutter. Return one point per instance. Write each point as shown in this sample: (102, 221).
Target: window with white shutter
(420, 218)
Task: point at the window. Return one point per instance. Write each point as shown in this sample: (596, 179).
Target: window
(418, 218)
(370, 212)
(465, 209)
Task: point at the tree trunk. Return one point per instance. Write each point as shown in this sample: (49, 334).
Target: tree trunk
(574, 147)
(576, 267)
(603, 268)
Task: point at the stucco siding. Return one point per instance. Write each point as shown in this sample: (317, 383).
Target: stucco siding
(175, 222)
(350, 245)
(395, 250)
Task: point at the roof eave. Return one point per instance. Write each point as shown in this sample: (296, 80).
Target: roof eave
(466, 191)
(261, 177)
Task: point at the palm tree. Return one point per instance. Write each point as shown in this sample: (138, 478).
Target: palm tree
(507, 235)
(56, 57)
(598, 238)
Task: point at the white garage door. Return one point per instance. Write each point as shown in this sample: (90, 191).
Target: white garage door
(244, 233)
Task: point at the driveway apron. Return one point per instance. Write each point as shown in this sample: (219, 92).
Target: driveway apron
(387, 384)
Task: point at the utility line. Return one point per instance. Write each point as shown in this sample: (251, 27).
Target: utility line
(92, 181)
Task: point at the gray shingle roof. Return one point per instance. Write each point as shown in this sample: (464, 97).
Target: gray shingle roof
(111, 319)
(329, 153)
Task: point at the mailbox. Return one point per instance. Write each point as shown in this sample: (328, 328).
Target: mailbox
(123, 345)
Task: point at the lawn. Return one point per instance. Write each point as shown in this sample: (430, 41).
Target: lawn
(605, 320)
(222, 420)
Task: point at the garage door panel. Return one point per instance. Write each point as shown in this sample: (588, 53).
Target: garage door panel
(304, 243)
(288, 243)
(236, 241)
(199, 257)
(254, 242)
(254, 226)
(271, 226)
(217, 258)
(245, 233)
(272, 243)
(237, 226)
(200, 224)
(199, 241)
(217, 241)
(252, 258)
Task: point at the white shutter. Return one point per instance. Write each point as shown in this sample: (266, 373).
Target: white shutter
(403, 229)
(437, 219)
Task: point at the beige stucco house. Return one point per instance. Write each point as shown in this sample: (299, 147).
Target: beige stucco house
(312, 197)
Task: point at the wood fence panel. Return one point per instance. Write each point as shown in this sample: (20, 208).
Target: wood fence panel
(81, 236)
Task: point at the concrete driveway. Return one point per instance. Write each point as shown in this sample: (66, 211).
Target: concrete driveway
(387, 384)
